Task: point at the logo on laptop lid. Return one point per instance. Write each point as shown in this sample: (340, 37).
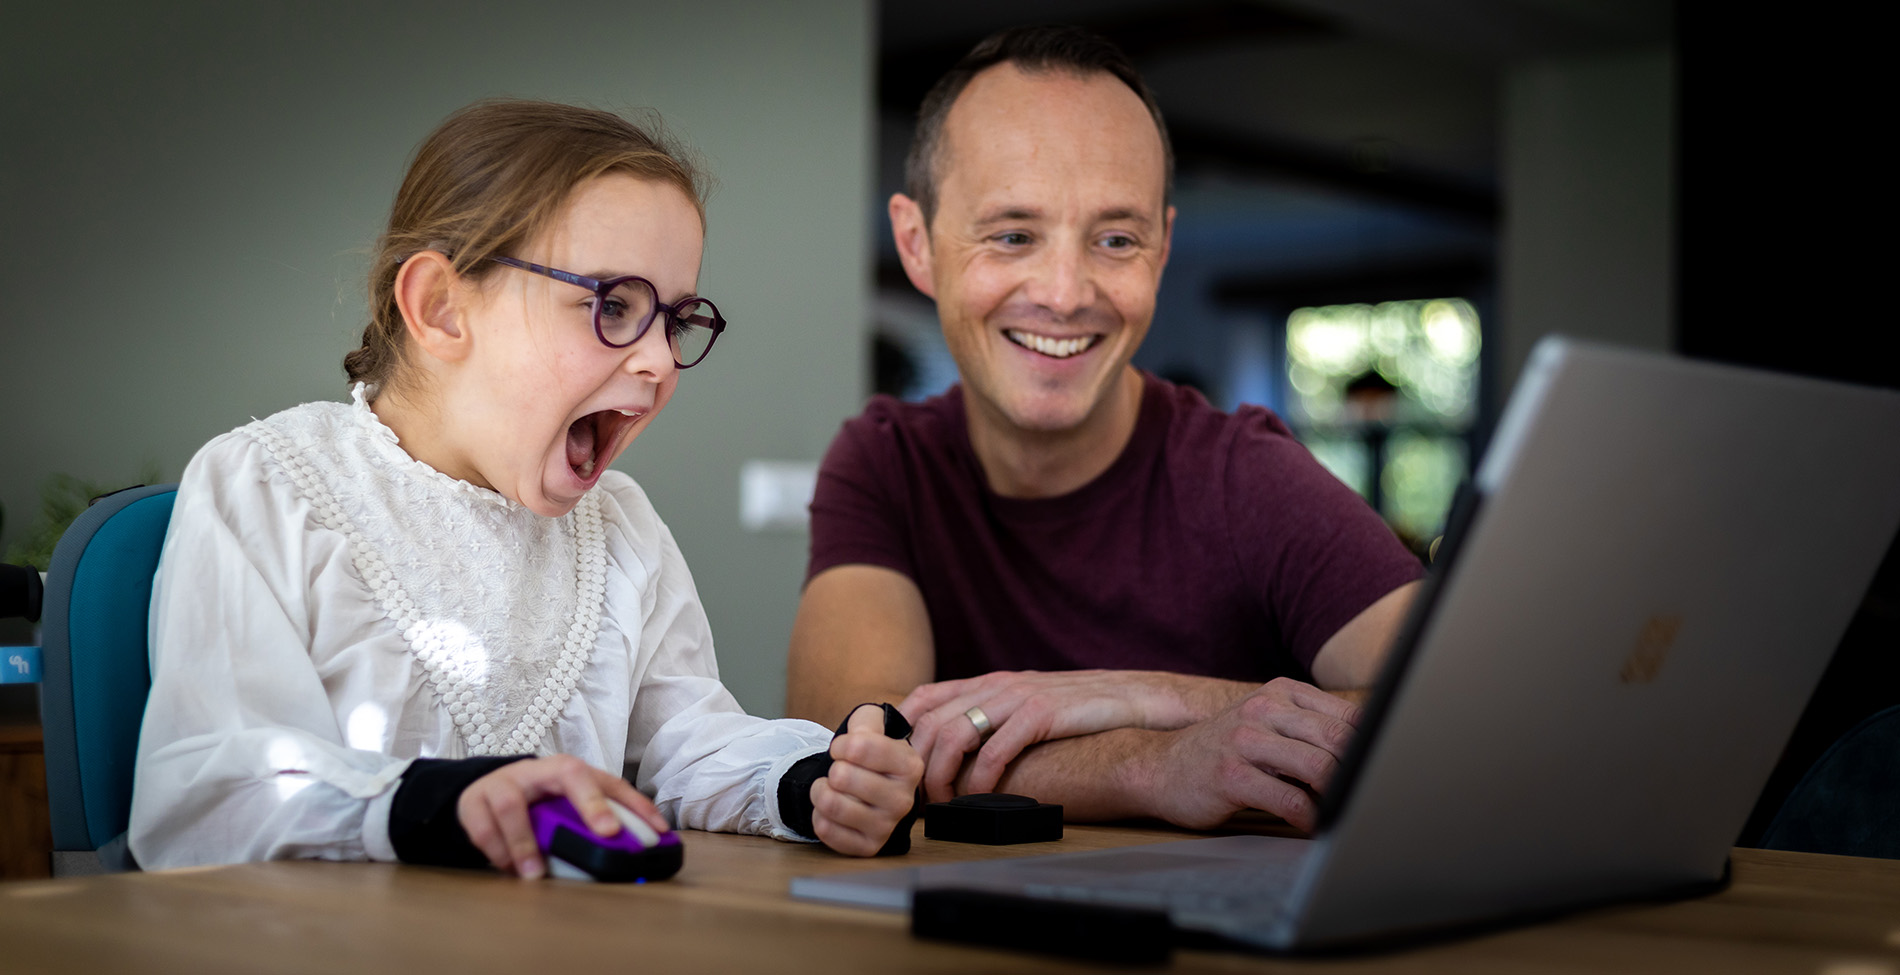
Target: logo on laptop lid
(1659, 634)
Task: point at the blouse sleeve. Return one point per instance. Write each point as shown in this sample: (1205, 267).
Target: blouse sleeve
(240, 756)
(706, 763)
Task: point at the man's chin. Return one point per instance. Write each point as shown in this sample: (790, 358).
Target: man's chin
(1048, 415)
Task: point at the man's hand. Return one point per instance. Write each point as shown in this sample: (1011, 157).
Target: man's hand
(871, 786)
(494, 809)
(1275, 750)
(1026, 707)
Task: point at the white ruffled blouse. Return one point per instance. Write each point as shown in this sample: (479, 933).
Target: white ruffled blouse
(328, 608)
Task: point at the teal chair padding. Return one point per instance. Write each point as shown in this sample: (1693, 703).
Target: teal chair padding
(1849, 802)
(97, 672)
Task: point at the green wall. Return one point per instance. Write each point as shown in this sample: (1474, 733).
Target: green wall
(189, 192)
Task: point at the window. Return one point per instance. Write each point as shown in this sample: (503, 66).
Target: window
(1384, 396)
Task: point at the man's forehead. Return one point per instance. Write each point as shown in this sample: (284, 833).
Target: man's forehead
(1006, 210)
(1011, 133)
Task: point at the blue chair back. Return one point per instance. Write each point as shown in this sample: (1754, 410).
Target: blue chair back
(1849, 802)
(96, 662)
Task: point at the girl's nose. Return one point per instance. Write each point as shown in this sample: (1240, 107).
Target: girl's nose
(651, 358)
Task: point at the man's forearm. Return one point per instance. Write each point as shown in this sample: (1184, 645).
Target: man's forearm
(861, 634)
(828, 702)
(1199, 698)
(1108, 775)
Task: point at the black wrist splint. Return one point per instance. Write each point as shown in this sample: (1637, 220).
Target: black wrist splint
(423, 824)
(794, 788)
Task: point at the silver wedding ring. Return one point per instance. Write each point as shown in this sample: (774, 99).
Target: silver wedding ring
(981, 720)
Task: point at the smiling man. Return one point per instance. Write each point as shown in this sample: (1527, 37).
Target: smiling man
(1087, 584)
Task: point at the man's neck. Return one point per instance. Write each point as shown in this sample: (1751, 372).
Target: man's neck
(1021, 463)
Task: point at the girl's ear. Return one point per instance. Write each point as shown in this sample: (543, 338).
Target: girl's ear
(425, 287)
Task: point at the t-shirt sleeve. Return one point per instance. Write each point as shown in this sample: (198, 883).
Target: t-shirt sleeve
(1311, 546)
(857, 517)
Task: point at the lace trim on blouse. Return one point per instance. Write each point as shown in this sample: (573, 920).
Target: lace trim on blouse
(500, 606)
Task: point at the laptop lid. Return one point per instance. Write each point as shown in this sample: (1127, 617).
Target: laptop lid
(1642, 589)
(1657, 561)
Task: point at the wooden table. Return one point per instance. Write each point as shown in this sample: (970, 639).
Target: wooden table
(26, 828)
(728, 911)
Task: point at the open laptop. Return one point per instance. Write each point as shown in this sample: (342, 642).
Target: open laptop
(1631, 607)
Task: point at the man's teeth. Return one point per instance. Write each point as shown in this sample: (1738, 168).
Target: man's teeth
(1056, 348)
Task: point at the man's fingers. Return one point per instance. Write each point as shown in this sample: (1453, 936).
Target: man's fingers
(1326, 734)
(940, 768)
(945, 721)
(1284, 716)
(993, 759)
(929, 696)
(1313, 699)
(1280, 754)
(1279, 797)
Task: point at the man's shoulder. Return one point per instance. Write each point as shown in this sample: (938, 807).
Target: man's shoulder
(1195, 427)
(885, 410)
(886, 422)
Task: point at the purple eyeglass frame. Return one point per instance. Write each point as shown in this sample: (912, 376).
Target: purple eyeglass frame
(602, 287)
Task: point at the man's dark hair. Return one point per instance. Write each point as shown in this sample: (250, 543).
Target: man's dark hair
(1036, 50)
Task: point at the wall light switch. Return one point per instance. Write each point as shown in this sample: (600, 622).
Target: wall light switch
(775, 495)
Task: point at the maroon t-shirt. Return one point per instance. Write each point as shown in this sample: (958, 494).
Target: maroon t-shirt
(1214, 545)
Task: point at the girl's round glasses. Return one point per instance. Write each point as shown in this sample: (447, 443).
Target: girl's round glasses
(625, 307)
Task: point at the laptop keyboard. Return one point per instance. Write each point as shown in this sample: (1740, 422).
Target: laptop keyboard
(1177, 884)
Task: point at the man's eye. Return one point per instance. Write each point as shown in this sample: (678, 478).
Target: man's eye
(1118, 242)
(1014, 238)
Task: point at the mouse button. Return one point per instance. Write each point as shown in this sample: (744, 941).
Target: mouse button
(640, 828)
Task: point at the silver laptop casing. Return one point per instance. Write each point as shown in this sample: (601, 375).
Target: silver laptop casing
(1598, 680)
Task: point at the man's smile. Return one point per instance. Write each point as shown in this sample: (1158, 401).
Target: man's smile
(1052, 347)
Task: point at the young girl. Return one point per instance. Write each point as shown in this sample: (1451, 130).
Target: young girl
(380, 630)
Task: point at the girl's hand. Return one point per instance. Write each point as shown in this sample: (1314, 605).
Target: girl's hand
(871, 786)
(494, 810)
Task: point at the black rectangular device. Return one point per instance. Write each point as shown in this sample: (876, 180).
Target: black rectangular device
(993, 818)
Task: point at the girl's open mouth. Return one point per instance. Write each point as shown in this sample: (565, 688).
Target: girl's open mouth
(592, 438)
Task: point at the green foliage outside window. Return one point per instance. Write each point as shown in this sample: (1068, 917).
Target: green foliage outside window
(1391, 386)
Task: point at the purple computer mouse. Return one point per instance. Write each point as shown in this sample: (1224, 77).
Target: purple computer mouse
(636, 854)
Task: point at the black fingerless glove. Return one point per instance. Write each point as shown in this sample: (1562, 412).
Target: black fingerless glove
(423, 824)
(794, 788)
